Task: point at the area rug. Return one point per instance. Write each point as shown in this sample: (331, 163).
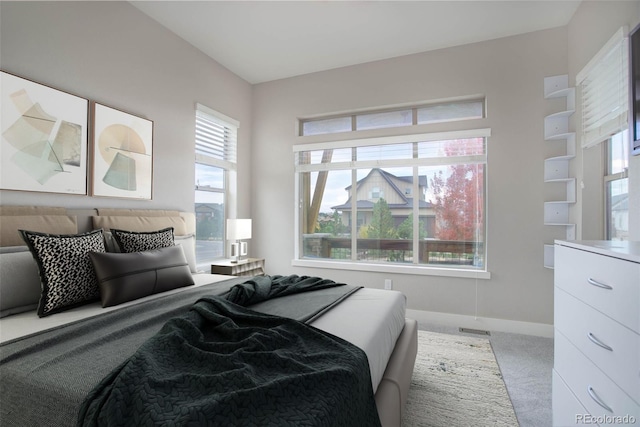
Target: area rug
(457, 382)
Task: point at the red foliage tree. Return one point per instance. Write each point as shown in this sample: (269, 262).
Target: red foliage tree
(459, 196)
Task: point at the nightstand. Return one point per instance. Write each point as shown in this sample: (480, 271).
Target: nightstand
(247, 267)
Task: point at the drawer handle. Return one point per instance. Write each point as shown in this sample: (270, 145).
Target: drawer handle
(599, 401)
(598, 284)
(598, 342)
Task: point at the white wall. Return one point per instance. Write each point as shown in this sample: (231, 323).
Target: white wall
(593, 24)
(510, 72)
(112, 53)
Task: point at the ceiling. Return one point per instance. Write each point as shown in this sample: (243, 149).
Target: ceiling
(268, 40)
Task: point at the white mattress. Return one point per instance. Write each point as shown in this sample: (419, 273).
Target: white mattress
(371, 319)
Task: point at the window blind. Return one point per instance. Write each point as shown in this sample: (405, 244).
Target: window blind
(216, 138)
(604, 91)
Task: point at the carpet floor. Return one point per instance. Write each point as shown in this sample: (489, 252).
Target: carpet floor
(457, 382)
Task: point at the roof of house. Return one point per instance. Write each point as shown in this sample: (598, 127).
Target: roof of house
(422, 179)
(620, 202)
(408, 201)
(365, 205)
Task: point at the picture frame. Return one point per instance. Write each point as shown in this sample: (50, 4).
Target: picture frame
(44, 139)
(121, 154)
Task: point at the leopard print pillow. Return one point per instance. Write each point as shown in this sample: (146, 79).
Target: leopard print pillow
(66, 271)
(138, 241)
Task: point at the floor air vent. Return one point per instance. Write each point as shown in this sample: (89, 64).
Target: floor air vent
(474, 331)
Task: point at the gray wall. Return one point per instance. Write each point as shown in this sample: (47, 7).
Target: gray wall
(112, 53)
(510, 72)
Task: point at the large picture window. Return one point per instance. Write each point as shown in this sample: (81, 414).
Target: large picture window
(414, 200)
(215, 166)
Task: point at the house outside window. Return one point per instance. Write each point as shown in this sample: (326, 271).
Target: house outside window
(361, 185)
(616, 186)
(215, 167)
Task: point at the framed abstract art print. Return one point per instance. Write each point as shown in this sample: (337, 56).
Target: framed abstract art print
(122, 154)
(44, 138)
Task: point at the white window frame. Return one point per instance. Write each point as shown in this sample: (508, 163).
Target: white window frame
(609, 177)
(226, 160)
(414, 162)
(413, 109)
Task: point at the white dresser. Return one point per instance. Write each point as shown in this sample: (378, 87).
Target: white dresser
(596, 373)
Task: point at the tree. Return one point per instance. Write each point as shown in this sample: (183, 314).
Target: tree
(382, 225)
(405, 229)
(459, 197)
(330, 224)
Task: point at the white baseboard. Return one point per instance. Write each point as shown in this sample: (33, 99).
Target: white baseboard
(482, 323)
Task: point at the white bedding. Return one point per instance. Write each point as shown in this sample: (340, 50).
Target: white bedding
(372, 319)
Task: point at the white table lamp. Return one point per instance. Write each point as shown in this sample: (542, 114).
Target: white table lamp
(238, 230)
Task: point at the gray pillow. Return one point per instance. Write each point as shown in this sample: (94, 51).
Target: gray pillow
(66, 273)
(125, 277)
(19, 281)
(138, 241)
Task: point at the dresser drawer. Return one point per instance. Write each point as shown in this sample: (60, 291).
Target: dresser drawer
(567, 410)
(589, 384)
(575, 269)
(585, 327)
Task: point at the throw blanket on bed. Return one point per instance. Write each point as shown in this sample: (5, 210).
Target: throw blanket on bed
(262, 288)
(223, 364)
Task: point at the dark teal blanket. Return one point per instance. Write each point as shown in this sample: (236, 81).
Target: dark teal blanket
(262, 288)
(225, 365)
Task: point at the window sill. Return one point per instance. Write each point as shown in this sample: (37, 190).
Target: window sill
(391, 268)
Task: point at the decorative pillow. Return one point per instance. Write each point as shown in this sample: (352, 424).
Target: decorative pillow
(188, 243)
(19, 281)
(125, 277)
(66, 272)
(138, 241)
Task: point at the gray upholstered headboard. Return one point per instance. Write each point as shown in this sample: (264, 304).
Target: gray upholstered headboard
(60, 220)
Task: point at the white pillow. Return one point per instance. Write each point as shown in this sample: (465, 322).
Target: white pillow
(188, 243)
(19, 281)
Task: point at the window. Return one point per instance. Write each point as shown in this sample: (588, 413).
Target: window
(389, 118)
(215, 166)
(616, 186)
(450, 111)
(415, 200)
(376, 193)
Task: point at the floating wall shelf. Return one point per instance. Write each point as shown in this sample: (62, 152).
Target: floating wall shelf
(557, 169)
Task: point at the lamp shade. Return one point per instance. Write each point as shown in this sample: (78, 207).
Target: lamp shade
(238, 229)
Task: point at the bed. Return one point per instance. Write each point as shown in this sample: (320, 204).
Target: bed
(44, 370)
